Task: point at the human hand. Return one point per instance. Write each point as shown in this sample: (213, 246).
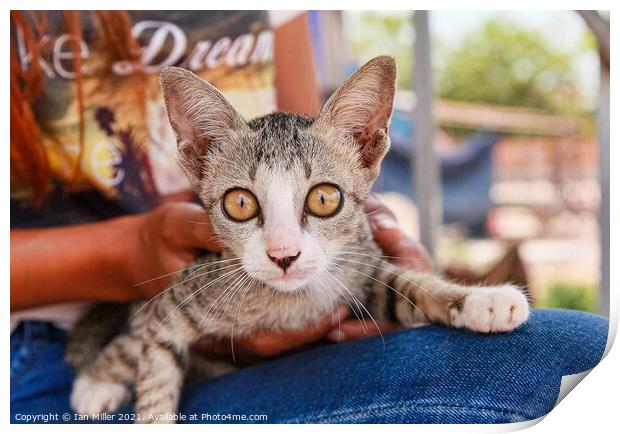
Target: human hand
(268, 344)
(165, 240)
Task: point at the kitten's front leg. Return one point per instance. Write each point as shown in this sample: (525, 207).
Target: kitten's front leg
(161, 371)
(105, 385)
(410, 297)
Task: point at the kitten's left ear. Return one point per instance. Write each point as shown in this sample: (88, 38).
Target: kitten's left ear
(361, 109)
(201, 117)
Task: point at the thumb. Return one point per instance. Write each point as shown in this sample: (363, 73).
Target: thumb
(191, 226)
(383, 223)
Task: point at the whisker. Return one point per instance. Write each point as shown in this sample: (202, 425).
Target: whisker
(332, 303)
(184, 269)
(212, 310)
(222, 296)
(199, 290)
(236, 320)
(344, 297)
(327, 294)
(232, 290)
(188, 279)
(200, 223)
(373, 212)
(411, 258)
(231, 294)
(237, 260)
(228, 276)
(382, 283)
(389, 271)
(357, 302)
(355, 299)
(368, 312)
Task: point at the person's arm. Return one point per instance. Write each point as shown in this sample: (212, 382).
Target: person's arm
(102, 261)
(297, 87)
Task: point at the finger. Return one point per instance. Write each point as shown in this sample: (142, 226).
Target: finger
(354, 329)
(375, 204)
(382, 222)
(292, 338)
(269, 344)
(405, 252)
(191, 226)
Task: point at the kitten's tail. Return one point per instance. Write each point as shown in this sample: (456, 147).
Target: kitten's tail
(93, 331)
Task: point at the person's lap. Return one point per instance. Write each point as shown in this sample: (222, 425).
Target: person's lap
(425, 375)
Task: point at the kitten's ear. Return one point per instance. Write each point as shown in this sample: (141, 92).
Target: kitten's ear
(361, 109)
(200, 117)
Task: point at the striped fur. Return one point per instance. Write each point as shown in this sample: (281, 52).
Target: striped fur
(220, 296)
(153, 356)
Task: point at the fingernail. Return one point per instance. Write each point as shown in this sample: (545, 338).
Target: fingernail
(386, 223)
(336, 335)
(340, 313)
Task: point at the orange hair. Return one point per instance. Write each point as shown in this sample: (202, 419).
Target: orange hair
(28, 157)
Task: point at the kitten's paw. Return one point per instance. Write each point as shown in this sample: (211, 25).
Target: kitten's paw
(91, 397)
(492, 309)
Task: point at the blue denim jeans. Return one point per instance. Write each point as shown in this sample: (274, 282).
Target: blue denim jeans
(425, 375)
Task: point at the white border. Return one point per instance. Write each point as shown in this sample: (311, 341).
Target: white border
(592, 407)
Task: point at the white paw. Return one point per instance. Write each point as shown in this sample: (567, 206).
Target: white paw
(492, 309)
(91, 397)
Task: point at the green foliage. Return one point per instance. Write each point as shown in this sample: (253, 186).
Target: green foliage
(499, 62)
(571, 296)
(502, 63)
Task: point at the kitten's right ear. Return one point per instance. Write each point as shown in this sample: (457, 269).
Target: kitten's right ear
(360, 111)
(199, 115)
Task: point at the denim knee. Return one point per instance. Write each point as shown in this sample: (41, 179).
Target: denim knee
(573, 341)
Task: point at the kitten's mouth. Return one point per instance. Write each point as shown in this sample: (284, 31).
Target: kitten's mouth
(289, 277)
(290, 280)
(293, 276)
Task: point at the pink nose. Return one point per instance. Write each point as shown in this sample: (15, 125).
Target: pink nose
(282, 261)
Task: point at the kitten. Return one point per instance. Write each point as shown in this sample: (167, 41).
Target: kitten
(285, 194)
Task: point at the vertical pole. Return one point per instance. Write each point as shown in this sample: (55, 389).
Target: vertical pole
(425, 163)
(603, 140)
(600, 27)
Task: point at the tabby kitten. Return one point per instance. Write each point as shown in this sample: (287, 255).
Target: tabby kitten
(285, 194)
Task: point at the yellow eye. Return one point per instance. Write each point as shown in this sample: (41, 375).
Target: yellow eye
(324, 200)
(240, 205)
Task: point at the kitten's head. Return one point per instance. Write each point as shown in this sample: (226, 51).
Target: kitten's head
(284, 192)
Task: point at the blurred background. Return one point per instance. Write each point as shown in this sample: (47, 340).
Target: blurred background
(497, 147)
